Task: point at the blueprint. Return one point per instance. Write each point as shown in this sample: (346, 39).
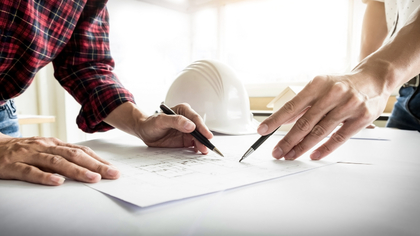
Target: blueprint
(151, 176)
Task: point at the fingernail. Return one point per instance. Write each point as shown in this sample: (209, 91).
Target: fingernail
(262, 129)
(189, 125)
(112, 172)
(277, 153)
(315, 155)
(290, 155)
(55, 179)
(92, 176)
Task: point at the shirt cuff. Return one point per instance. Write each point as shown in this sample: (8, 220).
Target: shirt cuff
(99, 106)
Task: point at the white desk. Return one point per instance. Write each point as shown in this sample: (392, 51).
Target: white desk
(381, 197)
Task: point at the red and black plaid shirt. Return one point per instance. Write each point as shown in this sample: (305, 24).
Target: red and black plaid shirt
(73, 35)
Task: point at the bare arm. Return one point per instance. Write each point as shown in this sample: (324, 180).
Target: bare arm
(374, 29)
(399, 59)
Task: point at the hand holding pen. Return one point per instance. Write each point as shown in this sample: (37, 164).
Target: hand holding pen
(196, 134)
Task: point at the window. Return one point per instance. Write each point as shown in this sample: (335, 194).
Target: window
(272, 42)
(269, 43)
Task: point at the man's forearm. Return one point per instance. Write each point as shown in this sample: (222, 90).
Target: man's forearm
(374, 28)
(127, 118)
(398, 60)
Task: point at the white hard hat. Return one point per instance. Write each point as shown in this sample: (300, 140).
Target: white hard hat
(214, 91)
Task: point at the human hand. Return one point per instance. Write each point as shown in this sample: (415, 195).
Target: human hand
(327, 101)
(36, 160)
(162, 130)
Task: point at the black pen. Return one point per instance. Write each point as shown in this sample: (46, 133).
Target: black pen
(196, 134)
(257, 144)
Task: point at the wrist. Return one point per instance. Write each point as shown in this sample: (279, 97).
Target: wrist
(127, 117)
(380, 75)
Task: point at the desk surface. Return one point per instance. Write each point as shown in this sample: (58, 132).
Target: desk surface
(378, 196)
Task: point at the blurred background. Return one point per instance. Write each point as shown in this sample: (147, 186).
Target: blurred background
(271, 44)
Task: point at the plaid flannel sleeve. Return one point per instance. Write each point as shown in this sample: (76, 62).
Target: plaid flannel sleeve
(84, 68)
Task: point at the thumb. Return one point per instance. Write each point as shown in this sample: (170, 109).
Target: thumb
(179, 122)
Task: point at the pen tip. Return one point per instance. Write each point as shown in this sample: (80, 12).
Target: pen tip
(218, 152)
(247, 153)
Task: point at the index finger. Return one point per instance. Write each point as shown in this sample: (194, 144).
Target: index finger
(80, 158)
(87, 150)
(289, 111)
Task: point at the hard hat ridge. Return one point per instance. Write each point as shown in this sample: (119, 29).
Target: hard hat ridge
(214, 91)
(209, 73)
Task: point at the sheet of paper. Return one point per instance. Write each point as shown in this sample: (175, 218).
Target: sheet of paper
(156, 175)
